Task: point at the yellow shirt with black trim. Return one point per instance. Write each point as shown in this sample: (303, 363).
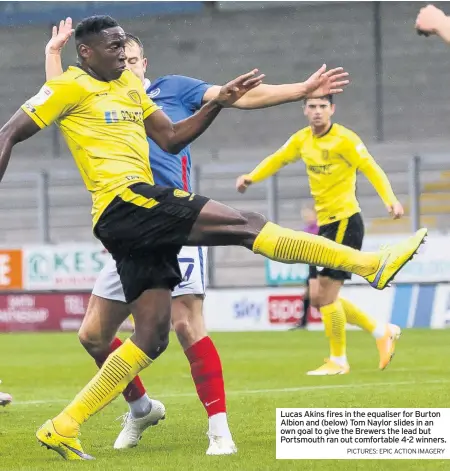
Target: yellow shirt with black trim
(332, 161)
(103, 125)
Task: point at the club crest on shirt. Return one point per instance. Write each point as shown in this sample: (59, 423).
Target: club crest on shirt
(134, 95)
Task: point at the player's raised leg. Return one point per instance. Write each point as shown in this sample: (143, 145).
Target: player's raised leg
(219, 224)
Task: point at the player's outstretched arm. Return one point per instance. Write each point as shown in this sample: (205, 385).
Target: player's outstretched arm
(321, 83)
(287, 154)
(173, 137)
(357, 154)
(19, 128)
(432, 20)
(379, 180)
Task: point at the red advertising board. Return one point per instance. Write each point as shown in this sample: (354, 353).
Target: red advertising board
(288, 309)
(285, 309)
(42, 312)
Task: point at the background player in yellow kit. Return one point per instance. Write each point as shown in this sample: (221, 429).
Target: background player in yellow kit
(333, 155)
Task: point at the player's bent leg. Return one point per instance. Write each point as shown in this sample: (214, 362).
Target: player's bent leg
(386, 335)
(97, 334)
(108, 308)
(151, 312)
(333, 317)
(218, 224)
(206, 369)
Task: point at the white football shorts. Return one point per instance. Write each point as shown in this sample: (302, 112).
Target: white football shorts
(192, 262)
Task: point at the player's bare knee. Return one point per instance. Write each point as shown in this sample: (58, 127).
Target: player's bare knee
(327, 291)
(159, 345)
(93, 344)
(182, 327)
(314, 299)
(324, 299)
(187, 319)
(153, 338)
(320, 298)
(182, 312)
(254, 222)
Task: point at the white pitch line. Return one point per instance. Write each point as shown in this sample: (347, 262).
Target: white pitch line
(269, 391)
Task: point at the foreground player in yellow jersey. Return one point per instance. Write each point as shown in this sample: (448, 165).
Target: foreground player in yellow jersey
(180, 97)
(105, 115)
(333, 155)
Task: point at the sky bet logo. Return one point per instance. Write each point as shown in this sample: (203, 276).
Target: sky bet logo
(114, 116)
(247, 309)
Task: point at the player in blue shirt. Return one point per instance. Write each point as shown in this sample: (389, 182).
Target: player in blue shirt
(179, 97)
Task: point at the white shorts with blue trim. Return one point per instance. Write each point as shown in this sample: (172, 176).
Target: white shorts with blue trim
(192, 262)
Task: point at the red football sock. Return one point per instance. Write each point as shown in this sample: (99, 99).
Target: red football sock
(135, 390)
(206, 371)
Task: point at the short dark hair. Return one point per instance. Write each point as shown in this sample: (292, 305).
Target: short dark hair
(93, 25)
(325, 97)
(131, 38)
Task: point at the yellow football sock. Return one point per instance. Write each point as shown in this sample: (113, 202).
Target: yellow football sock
(118, 370)
(286, 245)
(333, 317)
(355, 316)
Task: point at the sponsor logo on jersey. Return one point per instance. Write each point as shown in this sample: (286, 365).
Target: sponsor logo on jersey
(114, 116)
(320, 169)
(41, 97)
(154, 93)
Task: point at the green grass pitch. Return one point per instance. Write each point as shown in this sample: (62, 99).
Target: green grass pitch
(262, 371)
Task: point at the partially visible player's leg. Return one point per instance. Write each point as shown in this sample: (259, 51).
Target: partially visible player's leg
(306, 306)
(310, 291)
(203, 357)
(386, 335)
(206, 370)
(218, 224)
(5, 398)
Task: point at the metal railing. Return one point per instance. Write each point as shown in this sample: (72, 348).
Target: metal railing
(206, 180)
